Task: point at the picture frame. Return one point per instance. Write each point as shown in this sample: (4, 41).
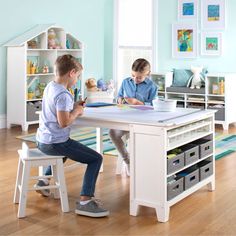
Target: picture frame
(184, 40)
(187, 9)
(211, 44)
(213, 14)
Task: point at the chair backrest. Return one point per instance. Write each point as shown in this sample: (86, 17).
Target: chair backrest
(25, 150)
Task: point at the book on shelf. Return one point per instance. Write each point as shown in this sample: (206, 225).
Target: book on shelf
(196, 98)
(216, 101)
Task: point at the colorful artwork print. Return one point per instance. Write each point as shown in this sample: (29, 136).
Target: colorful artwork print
(188, 9)
(185, 40)
(212, 44)
(213, 12)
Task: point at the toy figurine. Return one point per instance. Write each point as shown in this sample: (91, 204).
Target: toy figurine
(45, 69)
(68, 45)
(30, 94)
(41, 87)
(28, 67)
(75, 45)
(32, 44)
(53, 42)
(32, 69)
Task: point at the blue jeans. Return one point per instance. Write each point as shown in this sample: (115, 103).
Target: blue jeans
(80, 153)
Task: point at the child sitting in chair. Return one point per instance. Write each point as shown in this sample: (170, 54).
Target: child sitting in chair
(135, 90)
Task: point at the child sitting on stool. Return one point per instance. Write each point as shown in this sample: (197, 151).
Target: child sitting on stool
(53, 135)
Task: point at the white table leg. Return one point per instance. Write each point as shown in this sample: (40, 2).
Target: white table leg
(211, 186)
(162, 213)
(133, 208)
(225, 126)
(99, 143)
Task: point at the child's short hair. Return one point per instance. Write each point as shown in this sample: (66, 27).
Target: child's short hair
(141, 65)
(66, 63)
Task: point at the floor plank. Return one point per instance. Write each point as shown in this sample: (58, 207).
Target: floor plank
(202, 213)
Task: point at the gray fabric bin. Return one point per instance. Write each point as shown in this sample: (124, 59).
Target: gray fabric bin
(191, 153)
(206, 148)
(174, 189)
(175, 163)
(205, 169)
(191, 179)
(191, 176)
(220, 114)
(32, 107)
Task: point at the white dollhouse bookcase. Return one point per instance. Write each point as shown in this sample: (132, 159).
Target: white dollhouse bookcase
(30, 66)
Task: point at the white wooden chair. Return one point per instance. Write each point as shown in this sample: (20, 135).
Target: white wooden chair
(34, 158)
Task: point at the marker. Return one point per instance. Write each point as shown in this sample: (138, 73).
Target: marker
(83, 102)
(75, 94)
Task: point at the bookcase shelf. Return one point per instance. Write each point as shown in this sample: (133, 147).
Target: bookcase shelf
(218, 94)
(30, 67)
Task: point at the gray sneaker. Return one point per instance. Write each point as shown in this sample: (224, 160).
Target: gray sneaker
(43, 192)
(91, 209)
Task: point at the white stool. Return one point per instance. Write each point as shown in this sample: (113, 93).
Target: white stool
(33, 158)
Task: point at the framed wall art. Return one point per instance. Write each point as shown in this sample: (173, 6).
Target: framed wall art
(184, 40)
(213, 14)
(211, 44)
(187, 9)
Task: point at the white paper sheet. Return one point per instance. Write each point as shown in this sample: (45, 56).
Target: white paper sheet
(132, 115)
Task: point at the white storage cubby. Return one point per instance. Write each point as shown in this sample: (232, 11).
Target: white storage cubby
(30, 67)
(162, 80)
(218, 94)
(171, 180)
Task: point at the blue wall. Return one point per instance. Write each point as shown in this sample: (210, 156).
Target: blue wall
(108, 39)
(167, 14)
(83, 18)
(92, 22)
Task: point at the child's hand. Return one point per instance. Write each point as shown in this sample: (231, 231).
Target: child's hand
(133, 101)
(78, 108)
(82, 102)
(120, 101)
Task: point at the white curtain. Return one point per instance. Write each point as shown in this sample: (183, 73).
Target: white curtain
(134, 34)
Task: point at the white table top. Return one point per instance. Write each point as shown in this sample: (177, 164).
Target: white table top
(130, 115)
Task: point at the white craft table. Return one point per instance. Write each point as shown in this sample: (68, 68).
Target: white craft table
(152, 135)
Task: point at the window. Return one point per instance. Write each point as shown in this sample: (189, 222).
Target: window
(134, 35)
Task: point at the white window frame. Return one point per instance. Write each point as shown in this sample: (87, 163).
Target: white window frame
(116, 46)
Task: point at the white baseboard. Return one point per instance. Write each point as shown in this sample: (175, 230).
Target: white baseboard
(3, 121)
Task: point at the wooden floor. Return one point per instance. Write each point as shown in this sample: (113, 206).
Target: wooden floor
(202, 213)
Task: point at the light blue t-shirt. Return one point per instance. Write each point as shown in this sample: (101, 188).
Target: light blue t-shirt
(55, 98)
(144, 92)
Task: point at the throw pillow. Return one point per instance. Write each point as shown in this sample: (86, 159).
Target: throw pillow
(181, 77)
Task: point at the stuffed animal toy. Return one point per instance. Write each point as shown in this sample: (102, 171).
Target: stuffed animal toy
(52, 40)
(91, 85)
(196, 80)
(110, 85)
(102, 85)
